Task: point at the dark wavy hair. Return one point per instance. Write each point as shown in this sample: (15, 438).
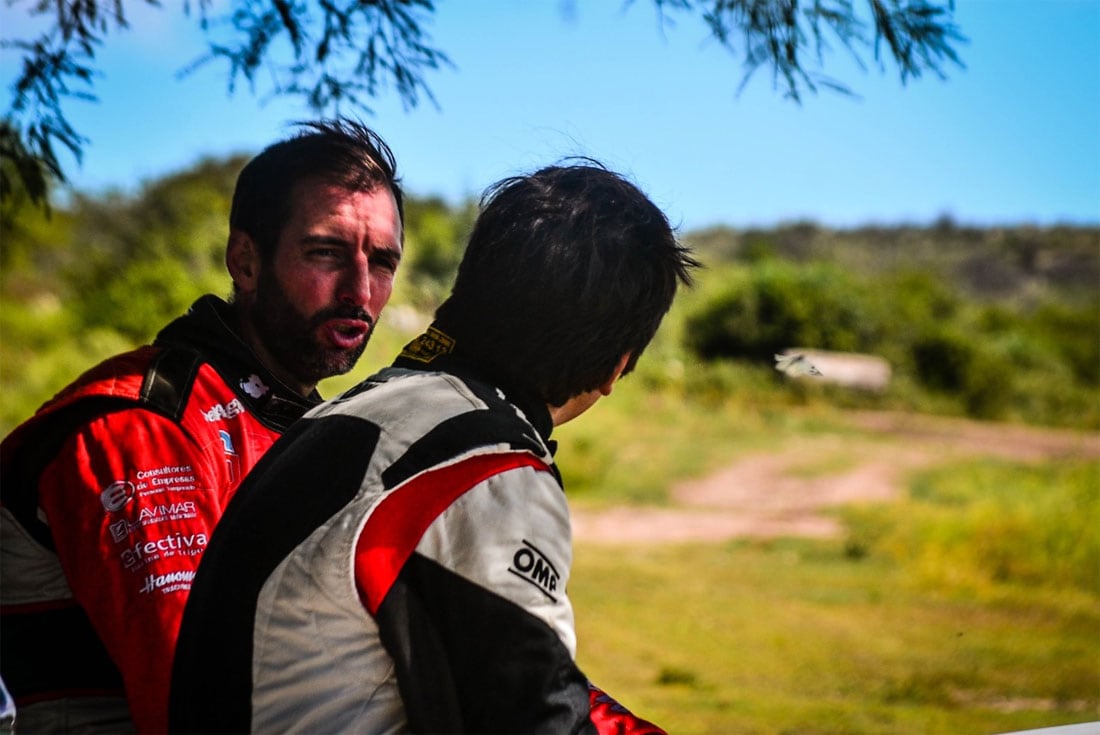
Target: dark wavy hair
(566, 270)
(339, 152)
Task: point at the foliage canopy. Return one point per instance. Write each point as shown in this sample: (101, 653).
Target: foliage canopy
(339, 54)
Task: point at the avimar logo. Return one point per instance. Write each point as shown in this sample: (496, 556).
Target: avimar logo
(533, 567)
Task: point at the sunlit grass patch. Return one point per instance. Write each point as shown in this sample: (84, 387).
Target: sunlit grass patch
(794, 636)
(988, 522)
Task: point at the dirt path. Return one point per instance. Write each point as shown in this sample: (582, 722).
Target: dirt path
(784, 493)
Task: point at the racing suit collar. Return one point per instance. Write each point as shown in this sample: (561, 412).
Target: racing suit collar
(436, 351)
(207, 328)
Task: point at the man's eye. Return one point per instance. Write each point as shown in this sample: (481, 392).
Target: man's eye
(386, 263)
(324, 252)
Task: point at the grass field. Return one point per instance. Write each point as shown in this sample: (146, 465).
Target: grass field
(970, 604)
(797, 637)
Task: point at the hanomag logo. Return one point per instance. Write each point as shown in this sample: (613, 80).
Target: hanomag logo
(533, 567)
(169, 582)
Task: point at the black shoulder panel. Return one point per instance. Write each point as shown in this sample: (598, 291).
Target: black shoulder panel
(309, 474)
(168, 381)
(469, 660)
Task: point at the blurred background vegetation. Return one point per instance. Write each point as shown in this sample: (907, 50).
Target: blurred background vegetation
(997, 323)
(967, 604)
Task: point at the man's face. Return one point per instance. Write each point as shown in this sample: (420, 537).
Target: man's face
(318, 299)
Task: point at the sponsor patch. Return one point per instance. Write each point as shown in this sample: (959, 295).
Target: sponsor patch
(116, 495)
(168, 512)
(232, 461)
(253, 386)
(224, 411)
(429, 346)
(169, 582)
(533, 567)
(227, 442)
(168, 477)
(176, 544)
(153, 514)
(120, 529)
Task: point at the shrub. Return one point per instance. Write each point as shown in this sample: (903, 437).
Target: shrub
(778, 305)
(1074, 334)
(969, 366)
(942, 359)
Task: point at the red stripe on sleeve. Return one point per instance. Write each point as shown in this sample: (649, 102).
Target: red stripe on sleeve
(397, 524)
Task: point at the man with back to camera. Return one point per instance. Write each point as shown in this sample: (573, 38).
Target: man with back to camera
(399, 561)
(112, 490)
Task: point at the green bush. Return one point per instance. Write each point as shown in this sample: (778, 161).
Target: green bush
(777, 305)
(942, 359)
(1073, 334)
(28, 379)
(967, 365)
(146, 295)
(949, 352)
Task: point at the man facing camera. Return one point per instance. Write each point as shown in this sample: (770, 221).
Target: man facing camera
(112, 489)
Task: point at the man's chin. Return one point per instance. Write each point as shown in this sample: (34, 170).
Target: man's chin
(340, 362)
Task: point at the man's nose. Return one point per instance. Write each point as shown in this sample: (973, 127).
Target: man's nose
(355, 285)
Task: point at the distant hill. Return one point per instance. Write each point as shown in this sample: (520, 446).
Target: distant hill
(1023, 264)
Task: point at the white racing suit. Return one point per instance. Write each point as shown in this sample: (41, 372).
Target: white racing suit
(398, 562)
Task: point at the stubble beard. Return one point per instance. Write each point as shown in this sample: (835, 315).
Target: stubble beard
(290, 337)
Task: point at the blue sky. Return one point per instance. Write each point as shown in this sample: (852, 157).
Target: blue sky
(1012, 138)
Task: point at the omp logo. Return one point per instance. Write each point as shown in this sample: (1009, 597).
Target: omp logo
(116, 495)
(532, 566)
(220, 411)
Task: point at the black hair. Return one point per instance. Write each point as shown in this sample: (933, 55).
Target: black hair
(340, 152)
(567, 269)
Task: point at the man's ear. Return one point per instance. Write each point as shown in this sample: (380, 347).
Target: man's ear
(605, 389)
(242, 260)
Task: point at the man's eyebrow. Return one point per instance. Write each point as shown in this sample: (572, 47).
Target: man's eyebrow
(394, 251)
(323, 240)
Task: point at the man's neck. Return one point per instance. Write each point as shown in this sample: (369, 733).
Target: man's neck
(255, 343)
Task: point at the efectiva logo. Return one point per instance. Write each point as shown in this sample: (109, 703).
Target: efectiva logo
(535, 568)
(174, 544)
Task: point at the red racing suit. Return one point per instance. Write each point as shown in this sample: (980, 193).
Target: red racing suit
(109, 494)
